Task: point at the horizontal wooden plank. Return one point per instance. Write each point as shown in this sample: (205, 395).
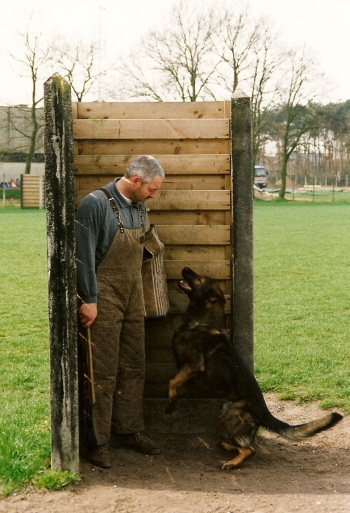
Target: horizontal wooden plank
(151, 129)
(160, 372)
(195, 182)
(205, 252)
(159, 355)
(187, 217)
(91, 182)
(195, 235)
(191, 200)
(156, 390)
(152, 147)
(172, 164)
(182, 200)
(151, 110)
(217, 269)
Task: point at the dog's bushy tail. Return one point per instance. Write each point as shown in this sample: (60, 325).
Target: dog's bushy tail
(302, 431)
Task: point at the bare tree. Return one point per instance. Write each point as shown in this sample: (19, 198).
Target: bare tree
(263, 83)
(34, 62)
(78, 63)
(303, 87)
(250, 59)
(175, 62)
(235, 44)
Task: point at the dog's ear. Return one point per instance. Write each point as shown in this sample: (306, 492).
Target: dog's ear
(215, 298)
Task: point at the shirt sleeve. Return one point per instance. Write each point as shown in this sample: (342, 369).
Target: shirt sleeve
(87, 224)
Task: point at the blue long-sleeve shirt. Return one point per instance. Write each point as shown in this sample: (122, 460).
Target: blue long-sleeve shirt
(95, 229)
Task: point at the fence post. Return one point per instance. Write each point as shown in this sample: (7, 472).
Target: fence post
(242, 228)
(59, 188)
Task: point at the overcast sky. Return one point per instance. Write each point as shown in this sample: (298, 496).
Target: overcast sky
(322, 24)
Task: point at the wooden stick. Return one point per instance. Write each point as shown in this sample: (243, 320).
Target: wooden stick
(91, 367)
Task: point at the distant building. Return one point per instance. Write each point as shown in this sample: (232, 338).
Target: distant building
(15, 129)
(16, 126)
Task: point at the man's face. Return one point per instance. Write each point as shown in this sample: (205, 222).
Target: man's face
(144, 191)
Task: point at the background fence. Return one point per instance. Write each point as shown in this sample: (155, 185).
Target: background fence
(32, 191)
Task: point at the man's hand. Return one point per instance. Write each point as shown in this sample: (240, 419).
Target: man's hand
(87, 314)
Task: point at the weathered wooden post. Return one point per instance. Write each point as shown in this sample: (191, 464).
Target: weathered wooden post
(59, 188)
(242, 228)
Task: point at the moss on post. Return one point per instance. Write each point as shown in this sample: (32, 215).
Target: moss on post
(59, 189)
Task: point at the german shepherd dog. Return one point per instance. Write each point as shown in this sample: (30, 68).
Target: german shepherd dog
(204, 355)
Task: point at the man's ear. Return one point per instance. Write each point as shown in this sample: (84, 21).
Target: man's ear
(135, 181)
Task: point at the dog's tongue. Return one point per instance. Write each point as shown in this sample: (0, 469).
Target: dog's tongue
(184, 285)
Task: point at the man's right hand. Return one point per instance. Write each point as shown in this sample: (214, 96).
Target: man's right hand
(87, 314)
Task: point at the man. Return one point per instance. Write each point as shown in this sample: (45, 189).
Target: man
(109, 258)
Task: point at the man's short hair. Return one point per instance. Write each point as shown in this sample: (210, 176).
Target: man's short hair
(146, 167)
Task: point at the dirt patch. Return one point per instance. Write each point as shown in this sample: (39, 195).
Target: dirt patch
(282, 477)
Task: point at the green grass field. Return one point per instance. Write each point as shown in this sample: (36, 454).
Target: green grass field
(302, 314)
(24, 355)
(302, 301)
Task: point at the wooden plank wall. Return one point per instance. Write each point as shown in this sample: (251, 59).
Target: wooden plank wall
(193, 210)
(32, 191)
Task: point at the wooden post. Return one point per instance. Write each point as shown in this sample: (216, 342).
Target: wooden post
(242, 228)
(59, 188)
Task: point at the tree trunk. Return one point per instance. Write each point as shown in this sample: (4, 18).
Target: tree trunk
(31, 149)
(282, 191)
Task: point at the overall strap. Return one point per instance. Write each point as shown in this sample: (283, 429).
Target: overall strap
(116, 212)
(115, 209)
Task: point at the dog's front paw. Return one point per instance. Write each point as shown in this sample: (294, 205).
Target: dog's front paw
(228, 465)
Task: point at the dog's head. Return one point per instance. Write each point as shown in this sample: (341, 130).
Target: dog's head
(201, 288)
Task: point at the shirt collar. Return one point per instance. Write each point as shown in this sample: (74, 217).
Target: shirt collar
(124, 201)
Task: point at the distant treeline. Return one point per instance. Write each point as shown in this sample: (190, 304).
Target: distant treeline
(8, 156)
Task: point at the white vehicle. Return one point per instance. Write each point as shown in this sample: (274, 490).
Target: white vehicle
(260, 177)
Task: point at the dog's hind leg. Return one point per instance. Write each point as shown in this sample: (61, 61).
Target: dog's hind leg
(244, 453)
(237, 428)
(178, 384)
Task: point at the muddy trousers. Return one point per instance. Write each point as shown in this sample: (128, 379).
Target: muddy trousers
(118, 356)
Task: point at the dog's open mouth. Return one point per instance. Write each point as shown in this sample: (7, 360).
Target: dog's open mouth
(184, 285)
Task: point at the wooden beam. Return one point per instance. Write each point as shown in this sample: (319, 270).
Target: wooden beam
(216, 269)
(191, 200)
(152, 110)
(195, 235)
(151, 129)
(152, 146)
(183, 200)
(172, 164)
